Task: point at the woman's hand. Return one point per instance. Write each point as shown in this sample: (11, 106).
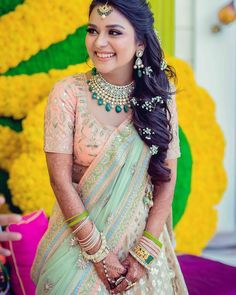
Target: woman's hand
(6, 219)
(114, 267)
(135, 272)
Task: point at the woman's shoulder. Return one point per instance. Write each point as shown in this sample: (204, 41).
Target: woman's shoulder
(69, 82)
(69, 89)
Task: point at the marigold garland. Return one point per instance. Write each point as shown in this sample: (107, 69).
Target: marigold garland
(196, 111)
(10, 147)
(70, 51)
(29, 183)
(36, 25)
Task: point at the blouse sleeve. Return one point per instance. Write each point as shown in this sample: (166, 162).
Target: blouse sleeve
(59, 118)
(173, 151)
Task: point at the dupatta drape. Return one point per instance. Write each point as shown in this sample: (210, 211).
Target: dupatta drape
(112, 190)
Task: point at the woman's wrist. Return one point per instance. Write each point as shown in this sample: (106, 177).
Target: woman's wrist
(147, 249)
(95, 248)
(152, 237)
(93, 243)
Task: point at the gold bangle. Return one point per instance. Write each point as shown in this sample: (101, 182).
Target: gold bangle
(142, 255)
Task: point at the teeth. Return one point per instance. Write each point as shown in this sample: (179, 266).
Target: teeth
(105, 55)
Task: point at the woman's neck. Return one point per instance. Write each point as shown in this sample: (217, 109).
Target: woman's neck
(119, 79)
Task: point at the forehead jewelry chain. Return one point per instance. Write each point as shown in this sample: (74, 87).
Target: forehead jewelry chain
(104, 10)
(112, 96)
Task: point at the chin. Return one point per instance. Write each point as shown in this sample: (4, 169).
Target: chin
(104, 69)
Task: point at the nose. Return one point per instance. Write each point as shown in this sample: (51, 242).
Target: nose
(101, 41)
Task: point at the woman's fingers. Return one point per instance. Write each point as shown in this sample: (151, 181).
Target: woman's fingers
(6, 219)
(5, 252)
(10, 236)
(135, 272)
(123, 285)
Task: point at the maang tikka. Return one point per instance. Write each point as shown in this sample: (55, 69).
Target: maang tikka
(139, 66)
(104, 10)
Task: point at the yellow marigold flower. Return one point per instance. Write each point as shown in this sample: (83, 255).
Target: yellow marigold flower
(196, 112)
(10, 147)
(29, 183)
(36, 25)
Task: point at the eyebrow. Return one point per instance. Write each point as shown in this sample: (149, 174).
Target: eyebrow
(108, 26)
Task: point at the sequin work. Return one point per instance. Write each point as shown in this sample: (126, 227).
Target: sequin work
(71, 129)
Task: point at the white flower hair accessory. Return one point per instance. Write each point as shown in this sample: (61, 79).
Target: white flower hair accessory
(163, 65)
(154, 150)
(151, 105)
(148, 132)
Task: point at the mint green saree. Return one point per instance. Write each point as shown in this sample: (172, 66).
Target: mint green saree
(113, 190)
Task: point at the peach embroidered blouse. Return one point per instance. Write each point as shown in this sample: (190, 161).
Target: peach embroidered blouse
(70, 128)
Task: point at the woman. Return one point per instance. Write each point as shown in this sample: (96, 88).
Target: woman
(111, 143)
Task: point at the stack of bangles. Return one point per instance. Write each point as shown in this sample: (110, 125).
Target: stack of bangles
(147, 250)
(78, 221)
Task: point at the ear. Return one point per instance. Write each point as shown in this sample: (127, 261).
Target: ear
(141, 45)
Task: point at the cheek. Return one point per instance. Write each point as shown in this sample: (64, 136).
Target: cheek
(126, 52)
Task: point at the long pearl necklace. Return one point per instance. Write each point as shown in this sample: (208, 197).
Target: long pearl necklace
(112, 96)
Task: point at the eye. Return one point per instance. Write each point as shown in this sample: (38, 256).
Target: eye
(91, 31)
(114, 33)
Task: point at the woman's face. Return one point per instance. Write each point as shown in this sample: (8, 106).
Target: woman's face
(111, 42)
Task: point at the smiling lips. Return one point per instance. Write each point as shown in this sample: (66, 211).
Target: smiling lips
(104, 55)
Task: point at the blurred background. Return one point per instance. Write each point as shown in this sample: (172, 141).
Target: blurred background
(43, 41)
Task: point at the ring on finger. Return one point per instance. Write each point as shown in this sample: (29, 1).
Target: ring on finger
(119, 280)
(130, 286)
(128, 282)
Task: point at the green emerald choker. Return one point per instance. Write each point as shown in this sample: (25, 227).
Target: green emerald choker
(112, 96)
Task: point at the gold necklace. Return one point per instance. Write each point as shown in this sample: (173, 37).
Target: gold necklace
(112, 96)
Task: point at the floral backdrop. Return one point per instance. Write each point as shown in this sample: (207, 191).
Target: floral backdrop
(43, 41)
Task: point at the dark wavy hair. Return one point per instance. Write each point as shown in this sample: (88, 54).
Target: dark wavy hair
(140, 16)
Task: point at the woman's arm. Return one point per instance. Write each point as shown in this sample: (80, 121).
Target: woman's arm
(162, 201)
(60, 174)
(163, 196)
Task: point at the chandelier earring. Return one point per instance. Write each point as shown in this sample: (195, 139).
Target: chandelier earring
(139, 63)
(139, 66)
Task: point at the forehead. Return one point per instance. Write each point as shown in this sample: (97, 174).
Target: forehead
(115, 17)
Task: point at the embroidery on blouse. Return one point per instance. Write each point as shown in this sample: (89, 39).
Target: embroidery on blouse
(90, 136)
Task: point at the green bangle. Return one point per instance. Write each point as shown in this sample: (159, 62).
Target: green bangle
(148, 235)
(79, 218)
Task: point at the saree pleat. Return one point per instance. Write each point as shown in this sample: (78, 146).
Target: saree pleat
(112, 190)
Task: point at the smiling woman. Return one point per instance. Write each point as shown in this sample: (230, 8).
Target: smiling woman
(107, 41)
(111, 143)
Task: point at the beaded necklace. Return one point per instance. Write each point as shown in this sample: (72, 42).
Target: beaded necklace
(112, 96)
